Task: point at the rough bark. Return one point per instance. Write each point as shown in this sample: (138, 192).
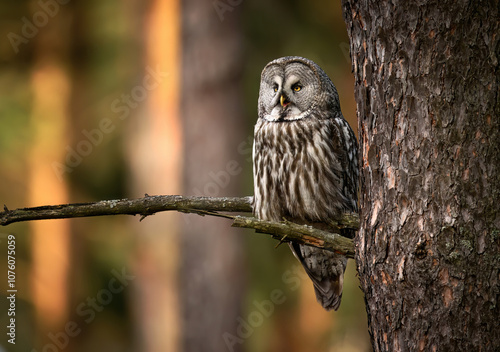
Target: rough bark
(427, 100)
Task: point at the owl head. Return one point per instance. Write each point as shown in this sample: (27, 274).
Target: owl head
(292, 87)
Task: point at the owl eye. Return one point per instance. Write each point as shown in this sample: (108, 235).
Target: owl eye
(275, 88)
(296, 87)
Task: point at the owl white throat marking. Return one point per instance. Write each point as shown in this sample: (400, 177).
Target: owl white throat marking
(276, 117)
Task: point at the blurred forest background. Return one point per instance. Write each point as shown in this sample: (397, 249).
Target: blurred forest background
(115, 99)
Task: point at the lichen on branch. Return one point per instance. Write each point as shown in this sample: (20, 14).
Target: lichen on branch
(212, 206)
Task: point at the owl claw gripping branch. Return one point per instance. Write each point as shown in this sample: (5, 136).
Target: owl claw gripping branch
(305, 163)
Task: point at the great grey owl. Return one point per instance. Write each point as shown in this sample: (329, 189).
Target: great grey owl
(305, 162)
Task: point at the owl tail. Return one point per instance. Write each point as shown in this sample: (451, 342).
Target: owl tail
(326, 270)
(329, 291)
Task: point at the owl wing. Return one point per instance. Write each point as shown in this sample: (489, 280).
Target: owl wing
(326, 268)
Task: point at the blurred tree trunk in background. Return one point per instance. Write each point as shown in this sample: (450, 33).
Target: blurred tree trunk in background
(156, 157)
(427, 88)
(212, 272)
(51, 87)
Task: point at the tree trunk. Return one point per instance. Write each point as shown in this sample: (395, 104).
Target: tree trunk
(211, 272)
(51, 259)
(155, 156)
(427, 101)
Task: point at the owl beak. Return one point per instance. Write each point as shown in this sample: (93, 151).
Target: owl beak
(283, 101)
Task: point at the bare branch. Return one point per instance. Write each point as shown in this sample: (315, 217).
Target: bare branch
(149, 205)
(289, 231)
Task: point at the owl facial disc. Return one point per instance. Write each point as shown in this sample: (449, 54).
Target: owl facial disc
(288, 92)
(283, 107)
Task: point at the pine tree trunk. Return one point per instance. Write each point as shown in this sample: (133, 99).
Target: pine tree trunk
(51, 258)
(427, 97)
(211, 264)
(154, 152)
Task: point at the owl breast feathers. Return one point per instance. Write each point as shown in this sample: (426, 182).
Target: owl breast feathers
(305, 162)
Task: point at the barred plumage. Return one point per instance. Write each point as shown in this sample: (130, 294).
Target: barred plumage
(305, 162)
